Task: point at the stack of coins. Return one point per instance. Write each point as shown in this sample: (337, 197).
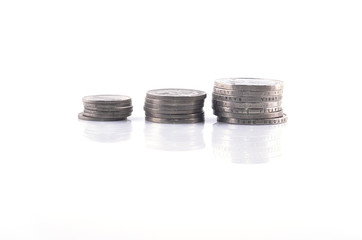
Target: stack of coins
(175, 105)
(106, 108)
(248, 101)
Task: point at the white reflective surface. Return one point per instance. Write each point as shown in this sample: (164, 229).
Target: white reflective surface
(247, 144)
(141, 180)
(107, 131)
(174, 137)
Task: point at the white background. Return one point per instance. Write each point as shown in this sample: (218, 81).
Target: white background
(59, 181)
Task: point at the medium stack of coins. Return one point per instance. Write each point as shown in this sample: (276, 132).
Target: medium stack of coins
(174, 106)
(248, 101)
(106, 108)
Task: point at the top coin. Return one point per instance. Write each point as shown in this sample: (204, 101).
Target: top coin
(176, 94)
(249, 84)
(96, 99)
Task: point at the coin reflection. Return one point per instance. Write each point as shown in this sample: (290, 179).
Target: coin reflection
(245, 143)
(174, 137)
(107, 132)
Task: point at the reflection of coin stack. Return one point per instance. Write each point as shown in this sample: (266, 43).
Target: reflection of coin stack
(106, 108)
(248, 101)
(175, 106)
(174, 137)
(246, 144)
(107, 132)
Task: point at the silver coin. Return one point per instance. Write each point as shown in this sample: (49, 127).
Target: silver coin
(176, 93)
(82, 117)
(107, 116)
(249, 84)
(246, 110)
(161, 111)
(110, 110)
(173, 108)
(257, 99)
(172, 102)
(106, 113)
(246, 105)
(222, 91)
(272, 121)
(106, 99)
(249, 116)
(175, 116)
(107, 107)
(161, 120)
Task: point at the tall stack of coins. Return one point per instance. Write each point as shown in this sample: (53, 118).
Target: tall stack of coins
(248, 101)
(174, 105)
(106, 108)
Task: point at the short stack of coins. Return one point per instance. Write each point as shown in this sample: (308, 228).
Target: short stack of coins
(106, 108)
(174, 105)
(248, 101)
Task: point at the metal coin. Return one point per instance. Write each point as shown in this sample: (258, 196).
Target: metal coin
(104, 107)
(222, 91)
(176, 93)
(107, 116)
(175, 116)
(272, 121)
(246, 105)
(161, 120)
(107, 98)
(173, 108)
(249, 116)
(246, 110)
(82, 117)
(249, 84)
(107, 113)
(110, 110)
(161, 111)
(174, 102)
(273, 98)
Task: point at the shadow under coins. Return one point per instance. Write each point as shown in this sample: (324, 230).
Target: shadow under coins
(107, 132)
(174, 137)
(247, 144)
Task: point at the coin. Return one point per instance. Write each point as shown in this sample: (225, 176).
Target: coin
(82, 117)
(273, 98)
(222, 91)
(107, 107)
(107, 98)
(173, 102)
(247, 110)
(107, 111)
(175, 116)
(174, 107)
(107, 116)
(161, 111)
(246, 105)
(176, 93)
(102, 113)
(249, 116)
(272, 121)
(161, 120)
(249, 84)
